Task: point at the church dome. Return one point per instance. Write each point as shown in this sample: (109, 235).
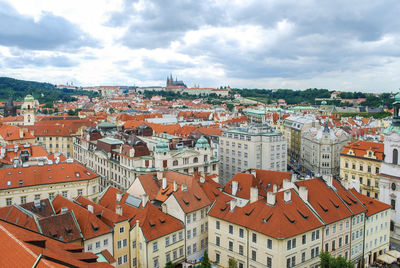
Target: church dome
(323, 102)
(202, 142)
(29, 98)
(397, 98)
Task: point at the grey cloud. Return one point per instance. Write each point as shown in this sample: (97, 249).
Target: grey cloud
(23, 61)
(48, 33)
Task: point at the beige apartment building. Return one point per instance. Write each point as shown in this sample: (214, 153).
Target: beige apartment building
(155, 238)
(259, 147)
(280, 231)
(26, 184)
(360, 164)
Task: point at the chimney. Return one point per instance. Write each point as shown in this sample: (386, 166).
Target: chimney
(90, 208)
(294, 178)
(21, 133)
(234, 187)
(287, 196)
(233, 204)
(118, 210)
(271, 198)
(2, 152)
(164, 183)
(184, 187)
(253, 172)
(216, 179)
(119, 197)
(202, 179)
(159, 175)
(145, 199)
(328, 180)
(175, 186)
(274, 188)
(303, 192)
(286, 184)
(164, 208)
(253, 194)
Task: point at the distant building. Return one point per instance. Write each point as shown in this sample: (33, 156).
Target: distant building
(258, 147)
(175, 83)
(9, 108)
(321, 148)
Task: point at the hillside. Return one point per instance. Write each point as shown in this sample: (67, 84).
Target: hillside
(44, 92)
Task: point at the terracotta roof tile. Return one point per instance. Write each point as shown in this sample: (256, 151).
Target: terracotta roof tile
(373, 206)
(360, 149)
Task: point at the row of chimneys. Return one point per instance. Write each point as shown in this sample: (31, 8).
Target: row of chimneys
(271, 196)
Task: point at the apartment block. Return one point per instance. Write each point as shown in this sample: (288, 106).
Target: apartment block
(259, 147)
(360, 164)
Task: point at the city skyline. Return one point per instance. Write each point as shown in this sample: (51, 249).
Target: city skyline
(277, 44)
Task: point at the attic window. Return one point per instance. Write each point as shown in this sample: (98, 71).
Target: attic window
(323, 208)
(50, 177)
(248, 213)
(352, 200)
(48, 169)
(303, 215)
(152, 223)
(185, 201)
(289, 219)
(9, 173)
(162, 220)
(77, 174)
(20, 181)
(334, 204)
(265, 220)
(8, 183)
(95, 227)
(19, 172)
(216, 194)
(224, 208)
(197, 197)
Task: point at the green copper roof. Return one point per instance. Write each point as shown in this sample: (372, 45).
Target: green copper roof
(161, 147)
(392, 129)
(202, 143)
(397, 98)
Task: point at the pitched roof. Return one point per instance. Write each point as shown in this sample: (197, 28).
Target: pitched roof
(24, 248)
(361, 147)
(14, 214)
(282, 220)
(351, 201)
(373, 206)
(47, 174)
(62, 227)
(110, 217)
(89, 224)
(325, 201)
(14, 150)
(153, 222)
(12, 133)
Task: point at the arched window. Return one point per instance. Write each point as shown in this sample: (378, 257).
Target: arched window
(395, 156)
(175, 163)
(195, 160)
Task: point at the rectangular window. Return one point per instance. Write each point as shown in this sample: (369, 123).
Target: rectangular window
(180, 252)
(217, 225)
(254, 238)
(253, 255)
(230, 243)
(217, 258)
(231, 229)
(269, 262)
(304, 239)
(180, 235)
(121, 230)
(167, 241)
(189, 234)
(241, 233)
(23, 199)
(9, 201)
(303, 256)
(269, 243)
(37, 196)
(155, 246)
(217, 241)
(97, 244)
(241, 249)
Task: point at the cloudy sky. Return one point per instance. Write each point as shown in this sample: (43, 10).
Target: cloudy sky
(342, 45)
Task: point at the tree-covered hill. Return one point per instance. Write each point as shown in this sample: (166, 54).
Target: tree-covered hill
(44, 92)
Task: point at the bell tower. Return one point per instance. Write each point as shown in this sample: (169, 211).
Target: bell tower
(29, 110)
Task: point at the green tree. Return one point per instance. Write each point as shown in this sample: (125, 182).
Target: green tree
(233, 263)
(205, 263)
(327, 261)
(169, 265)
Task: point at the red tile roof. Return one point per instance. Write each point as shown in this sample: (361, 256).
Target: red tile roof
(89, 224)
(62, 227)
(153, 222)
(23, 248)
(325, 201)
(360, 149)
(47, 174)
(16, 215)
(12, 133)
(351, 201)
(34, 151)
(373, 206)
(282, 220)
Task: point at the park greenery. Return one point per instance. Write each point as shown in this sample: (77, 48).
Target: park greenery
(44, 92)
